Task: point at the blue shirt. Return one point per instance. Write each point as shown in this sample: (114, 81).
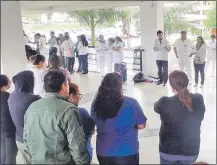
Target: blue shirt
(118, 136)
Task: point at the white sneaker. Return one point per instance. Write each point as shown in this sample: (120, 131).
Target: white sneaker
(189, 83)
(195, 85)
(201, 86)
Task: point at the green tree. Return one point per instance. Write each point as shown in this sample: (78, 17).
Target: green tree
(174, 20)
(211, 16)
(94, 18)
(33, 18)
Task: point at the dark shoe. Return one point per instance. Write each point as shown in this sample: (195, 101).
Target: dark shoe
(78, 71)
(164, 85)
(159, 83)
(84, 72)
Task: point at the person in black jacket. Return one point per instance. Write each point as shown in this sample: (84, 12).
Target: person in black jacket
(8, 130)
(19, 101)
(181, 116)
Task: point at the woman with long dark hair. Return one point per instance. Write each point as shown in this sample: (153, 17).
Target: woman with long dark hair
(83, 53)
(181, 116)
(55, 63)
(118, 119)
(199, 60)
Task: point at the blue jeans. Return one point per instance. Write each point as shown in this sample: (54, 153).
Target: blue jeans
(79, 64)
(164, 161)
(84, 62)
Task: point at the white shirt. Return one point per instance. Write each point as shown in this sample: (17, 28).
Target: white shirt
(67, 48)
(38, 88)
(101, 48)
(183, 48)
(42, 43)
(119, 55)
(109, 48)
(26, 40)
(211, 48)
(162, 53)
(82, 50)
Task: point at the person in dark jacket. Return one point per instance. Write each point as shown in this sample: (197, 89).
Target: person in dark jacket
(88, 124)
(181, 116)
(8, 130)
(19, 101)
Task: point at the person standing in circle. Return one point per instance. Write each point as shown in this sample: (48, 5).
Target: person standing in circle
(110, 56)
(101, 54)
(8, 130)
(181, 116)
(162, 47)
(199, 60)
(182, 49)
(67, 48)
(211, 55)
(83, 53)
(118, 119)
(42, 44)
(77, 54)
(118, 50)
(52, 42)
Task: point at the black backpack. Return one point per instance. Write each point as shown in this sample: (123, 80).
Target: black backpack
(139, 77)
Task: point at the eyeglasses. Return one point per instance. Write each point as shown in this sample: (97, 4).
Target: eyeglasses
(80, 96)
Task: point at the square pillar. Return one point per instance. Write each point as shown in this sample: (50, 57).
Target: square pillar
(151, 20)
(13, 56)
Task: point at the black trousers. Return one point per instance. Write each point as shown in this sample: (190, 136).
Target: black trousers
(162, 70)
(199, 68)
(69, 63)
(8, 150)
(132, 159)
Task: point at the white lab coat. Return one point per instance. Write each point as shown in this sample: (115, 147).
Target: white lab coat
(184, 49)
(110, 57)
(38, 87)
(119, 55)
(211, 57)
(42, 46)
(101, 52)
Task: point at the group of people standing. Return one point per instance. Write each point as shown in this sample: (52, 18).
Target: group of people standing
(109, 53)
(55, 130)
(184, 51)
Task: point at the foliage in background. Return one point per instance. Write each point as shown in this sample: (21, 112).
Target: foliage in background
(94, 18)
(174, 20)
(211, 15)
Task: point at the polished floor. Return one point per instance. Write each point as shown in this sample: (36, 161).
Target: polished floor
(147, 94)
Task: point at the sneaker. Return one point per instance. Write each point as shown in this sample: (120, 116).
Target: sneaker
(159, 83)
(195, 85)
(201, 86)
(164, 85)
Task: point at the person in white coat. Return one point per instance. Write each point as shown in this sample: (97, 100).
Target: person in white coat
(110, 58)
(42, 44)
(211, 55)
(37, 69)
(118, 51)
(101, 54)
(182, 49)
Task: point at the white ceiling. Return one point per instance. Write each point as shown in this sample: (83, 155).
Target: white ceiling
(61, 6)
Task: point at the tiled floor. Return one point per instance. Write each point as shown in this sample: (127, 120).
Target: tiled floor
(147, 94)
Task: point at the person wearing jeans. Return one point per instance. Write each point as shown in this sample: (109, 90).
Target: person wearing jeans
(83, 53)
(199, 60)
(162, 47)
(67, 48)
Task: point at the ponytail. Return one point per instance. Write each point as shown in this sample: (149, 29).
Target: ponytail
(184, 97)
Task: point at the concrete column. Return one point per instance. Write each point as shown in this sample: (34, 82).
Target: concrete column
(151, 20)
(13, 58)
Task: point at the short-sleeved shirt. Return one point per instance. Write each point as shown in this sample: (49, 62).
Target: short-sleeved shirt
(118, 136)
(119, 55)
(68, 48)
(184, 48)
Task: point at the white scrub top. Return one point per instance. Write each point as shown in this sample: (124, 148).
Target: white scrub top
(184, 48)
(211, 48)
(38, 88)
(101, 48)
(42, 46)
(67, 48)
(119, 55)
